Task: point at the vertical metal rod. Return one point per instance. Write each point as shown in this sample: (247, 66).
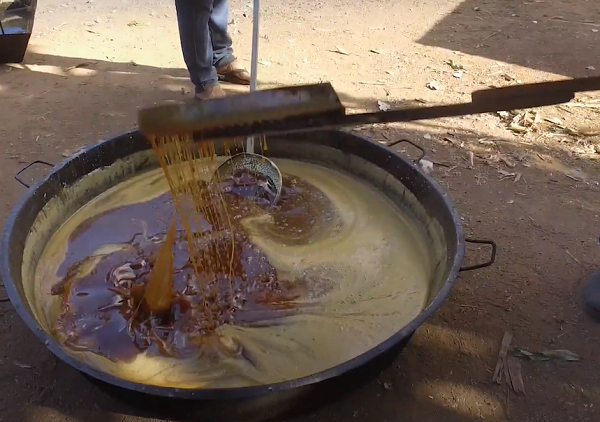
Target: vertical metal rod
(254, 62)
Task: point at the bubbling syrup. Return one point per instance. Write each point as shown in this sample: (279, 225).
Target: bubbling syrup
(103, 308)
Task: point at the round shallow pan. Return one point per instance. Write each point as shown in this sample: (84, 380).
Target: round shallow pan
(120, 158)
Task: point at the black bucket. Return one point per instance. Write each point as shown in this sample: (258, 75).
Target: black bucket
(401, 180)
(16, 25)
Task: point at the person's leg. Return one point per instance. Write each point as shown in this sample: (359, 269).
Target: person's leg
(223, 58)
(221, 40)
(591, 295)
(194, 34)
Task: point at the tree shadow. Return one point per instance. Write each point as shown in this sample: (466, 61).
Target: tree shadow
(533, 34)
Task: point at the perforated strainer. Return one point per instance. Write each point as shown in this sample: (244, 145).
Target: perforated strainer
(268, 174)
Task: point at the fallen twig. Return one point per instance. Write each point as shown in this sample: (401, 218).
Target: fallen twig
(586, 105)
(470, 160)
(561, 19)
(504, 346)
(515, 375)
(546, 355)
(508, 368)
(572, 257)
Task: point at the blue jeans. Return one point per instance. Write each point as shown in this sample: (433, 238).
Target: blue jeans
(205, 41)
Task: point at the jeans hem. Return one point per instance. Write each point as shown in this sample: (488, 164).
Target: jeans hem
(204, 86)
(227, 60)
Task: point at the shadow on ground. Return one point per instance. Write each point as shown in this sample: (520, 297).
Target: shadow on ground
(445, 373)
(535, 34)
(63, 392)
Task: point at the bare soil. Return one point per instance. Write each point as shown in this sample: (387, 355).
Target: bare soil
(529, 179)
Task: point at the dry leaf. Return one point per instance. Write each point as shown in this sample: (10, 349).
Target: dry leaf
(383, 106)
(340, 50)
(515, 375)
(112, 114)
(554, 120)
(80, 65)
(586, 131)
(507, 162)
(434, 85)
(454, 65)
(500, 363)
(565, 355)
(470, 159)
(517, 128)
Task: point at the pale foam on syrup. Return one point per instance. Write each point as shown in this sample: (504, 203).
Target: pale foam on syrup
(376, 270)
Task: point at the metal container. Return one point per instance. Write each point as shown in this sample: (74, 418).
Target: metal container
(400, 179)
(16, 25)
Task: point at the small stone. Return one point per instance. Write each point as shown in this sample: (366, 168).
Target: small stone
(426, 165)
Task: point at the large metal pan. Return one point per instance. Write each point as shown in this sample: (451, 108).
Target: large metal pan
(402, 180)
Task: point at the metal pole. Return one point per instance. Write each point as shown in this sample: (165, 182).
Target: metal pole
(254, 62)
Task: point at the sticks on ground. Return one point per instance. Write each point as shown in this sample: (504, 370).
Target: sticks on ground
(508, 368)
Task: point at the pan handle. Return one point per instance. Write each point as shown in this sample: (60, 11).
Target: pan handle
(33, 163)
(492, 255)
(417, 146)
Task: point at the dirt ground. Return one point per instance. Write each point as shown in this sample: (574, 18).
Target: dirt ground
(529, 179)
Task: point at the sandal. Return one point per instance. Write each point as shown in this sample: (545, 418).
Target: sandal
(233, 74)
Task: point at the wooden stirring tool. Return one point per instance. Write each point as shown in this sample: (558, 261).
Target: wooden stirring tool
(318, 107)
